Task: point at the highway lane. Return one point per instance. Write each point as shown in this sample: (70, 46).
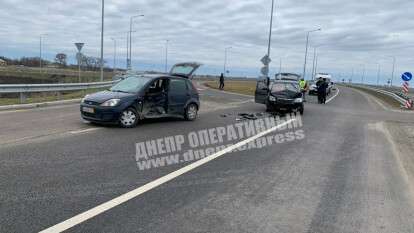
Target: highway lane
(341, 177)
(23, 125)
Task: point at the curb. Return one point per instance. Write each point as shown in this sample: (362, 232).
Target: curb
(38, 105)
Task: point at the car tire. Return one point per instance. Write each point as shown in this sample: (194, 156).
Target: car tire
(191, 112)
(128, 118)
(301, 110)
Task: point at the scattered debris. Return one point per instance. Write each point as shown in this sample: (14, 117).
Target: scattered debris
(248, 116)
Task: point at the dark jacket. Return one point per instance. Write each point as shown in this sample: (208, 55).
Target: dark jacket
(322, 86)
(222, 78)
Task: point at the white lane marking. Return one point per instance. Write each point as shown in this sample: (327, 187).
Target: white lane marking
(151, 185)
(333, 97)
(43, 108)
(83, 130)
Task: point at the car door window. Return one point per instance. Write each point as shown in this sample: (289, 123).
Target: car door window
(177, 86)
(158, 86)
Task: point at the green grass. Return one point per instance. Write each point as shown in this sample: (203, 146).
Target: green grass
(241, 87)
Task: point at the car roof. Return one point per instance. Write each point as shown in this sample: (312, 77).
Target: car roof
(154, 76)
(284, 81)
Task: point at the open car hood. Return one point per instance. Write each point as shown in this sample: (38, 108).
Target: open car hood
(185, 70)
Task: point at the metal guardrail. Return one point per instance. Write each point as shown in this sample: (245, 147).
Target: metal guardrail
(397, 96)
(22, 89)
(27, 88)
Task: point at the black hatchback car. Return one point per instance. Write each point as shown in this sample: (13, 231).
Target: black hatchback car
(279, 95)
(140, 96)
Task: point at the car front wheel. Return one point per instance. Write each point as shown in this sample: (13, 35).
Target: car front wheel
(128, 118)
(191, 112)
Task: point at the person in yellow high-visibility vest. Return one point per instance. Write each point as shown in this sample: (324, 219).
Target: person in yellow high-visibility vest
(304, 88)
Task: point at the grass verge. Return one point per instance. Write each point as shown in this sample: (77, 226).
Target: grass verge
(383, 98)
(241, 87)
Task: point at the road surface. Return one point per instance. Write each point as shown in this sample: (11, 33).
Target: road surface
(346, 175)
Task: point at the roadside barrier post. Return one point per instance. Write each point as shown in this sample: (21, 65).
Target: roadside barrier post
(406, 77)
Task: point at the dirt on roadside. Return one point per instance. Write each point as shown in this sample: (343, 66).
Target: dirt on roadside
(403, 137)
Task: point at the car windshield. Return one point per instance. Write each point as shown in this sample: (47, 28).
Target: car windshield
(278, 87)
(131, 84)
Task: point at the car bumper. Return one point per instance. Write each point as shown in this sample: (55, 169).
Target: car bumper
(100, 114)
(274, 105)
(313, 92)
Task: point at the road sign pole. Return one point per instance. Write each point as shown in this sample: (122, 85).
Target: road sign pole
(406, 77)
(79, 46)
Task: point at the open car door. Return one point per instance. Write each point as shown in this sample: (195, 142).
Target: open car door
(262, 90)
(185, 70)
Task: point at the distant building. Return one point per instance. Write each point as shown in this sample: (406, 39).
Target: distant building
(3, 62)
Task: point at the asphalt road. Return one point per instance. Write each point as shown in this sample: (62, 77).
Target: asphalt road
(345, 175)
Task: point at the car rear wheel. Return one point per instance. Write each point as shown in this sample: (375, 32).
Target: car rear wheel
(128, 118)
(191, 112)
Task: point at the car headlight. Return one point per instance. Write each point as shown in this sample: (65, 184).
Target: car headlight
(84, 98)
(111, 103)
(272, 98)
(298, 100)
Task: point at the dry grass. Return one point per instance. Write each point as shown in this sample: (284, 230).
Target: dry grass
(384, 98)
(40, 98)
(241, 87)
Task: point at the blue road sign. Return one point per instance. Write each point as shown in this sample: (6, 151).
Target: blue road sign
(407, 76)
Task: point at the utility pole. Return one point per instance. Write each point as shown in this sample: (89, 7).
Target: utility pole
(102, 40)
(306, 49)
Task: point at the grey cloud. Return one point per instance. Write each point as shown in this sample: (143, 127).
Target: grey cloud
(354, 31)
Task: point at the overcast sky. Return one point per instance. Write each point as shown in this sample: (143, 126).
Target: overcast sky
(354, 32)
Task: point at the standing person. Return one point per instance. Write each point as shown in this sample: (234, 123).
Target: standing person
(322, 91)
(303, 88)
(221, 87)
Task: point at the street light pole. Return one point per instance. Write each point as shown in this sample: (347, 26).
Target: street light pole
(306, 50)
(313, 63)
(280, 65)
(225, 60)
(270, 39)
(114, 67)
(127, 48)
(102, 39)
(166, 55)
(393, 69)
(363, 74)
(40, 51)
(130, 39)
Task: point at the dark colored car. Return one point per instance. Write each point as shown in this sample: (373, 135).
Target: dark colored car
(279, 96)
(143, 96)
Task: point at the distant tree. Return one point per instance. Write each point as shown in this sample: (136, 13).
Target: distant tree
(61, 59)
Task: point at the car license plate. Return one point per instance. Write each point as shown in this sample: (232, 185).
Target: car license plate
(88, 110)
